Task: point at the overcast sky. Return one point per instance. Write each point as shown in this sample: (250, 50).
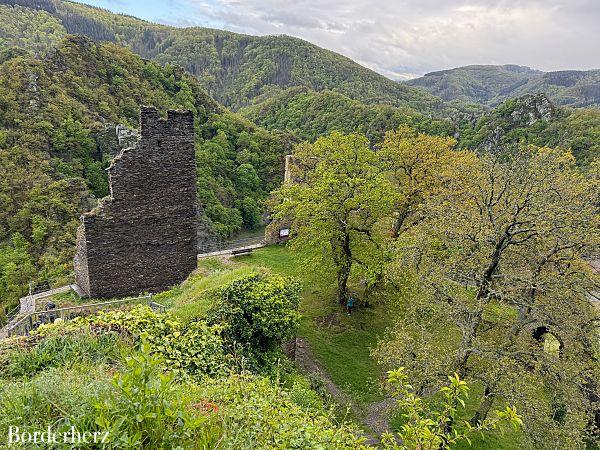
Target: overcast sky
(406, 38)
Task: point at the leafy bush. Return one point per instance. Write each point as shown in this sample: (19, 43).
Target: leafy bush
(194, 348)
(427, 428)
(257, 311)
(143, 408)
(259, 414)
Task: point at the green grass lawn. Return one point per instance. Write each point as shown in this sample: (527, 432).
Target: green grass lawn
(339, 342)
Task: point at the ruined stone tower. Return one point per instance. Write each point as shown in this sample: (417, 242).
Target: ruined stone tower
(143, 237)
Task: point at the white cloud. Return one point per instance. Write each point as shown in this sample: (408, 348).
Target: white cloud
(406, 38)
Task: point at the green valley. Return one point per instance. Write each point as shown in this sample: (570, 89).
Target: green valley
(306, 253)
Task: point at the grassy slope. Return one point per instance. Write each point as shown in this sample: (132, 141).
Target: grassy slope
(342, 345)
(334, 343)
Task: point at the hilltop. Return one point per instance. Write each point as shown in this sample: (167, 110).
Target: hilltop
(233, 68)
(491, 85)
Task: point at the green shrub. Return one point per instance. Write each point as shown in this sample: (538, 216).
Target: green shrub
(258, 414)
(257, 311)
(194, 348)
(302, 393)
(144, 408)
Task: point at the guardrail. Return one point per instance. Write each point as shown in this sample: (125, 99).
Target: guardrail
(230, 245)
(34, 319)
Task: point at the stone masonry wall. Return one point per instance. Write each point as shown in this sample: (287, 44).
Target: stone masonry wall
(278, 230)
(143, 237)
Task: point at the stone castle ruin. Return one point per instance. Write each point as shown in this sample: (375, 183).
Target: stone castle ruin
(278, 231)
(142, 238)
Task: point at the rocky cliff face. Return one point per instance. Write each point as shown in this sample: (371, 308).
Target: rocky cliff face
(504, 125)
(530, 109)
(518, 113)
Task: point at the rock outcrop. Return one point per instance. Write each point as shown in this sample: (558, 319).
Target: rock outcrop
(515, 114)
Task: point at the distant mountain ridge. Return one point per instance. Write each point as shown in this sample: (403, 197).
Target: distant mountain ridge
(491, 85)
(233, 68)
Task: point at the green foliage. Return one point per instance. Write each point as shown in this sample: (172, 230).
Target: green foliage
(64, 350)
(301, 392)
(195, 297)
(341, 194)
(310, 115)
(489, 257)
(262, 415)
(147, 407)
(145, 410)
(38, 219)
(35, 30)
(193, 349)
(579, 131)
(238, 165)
(56, 397)
(485, 239)
(16, 269)
(433, 429)
(258, 312)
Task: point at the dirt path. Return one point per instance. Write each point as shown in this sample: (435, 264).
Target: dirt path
(375, 416)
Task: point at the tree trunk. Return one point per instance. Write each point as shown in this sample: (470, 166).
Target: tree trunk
(466, 344)
(342, 287)
(344, 265)
(484, 407)
(474, 317)
(399, 219)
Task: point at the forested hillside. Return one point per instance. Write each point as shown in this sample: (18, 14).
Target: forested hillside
(490, 85)
(530, 119)
(311, 114)
(233, 68)
(58, 117)
(287, 84)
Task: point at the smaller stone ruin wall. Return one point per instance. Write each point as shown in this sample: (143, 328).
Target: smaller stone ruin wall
(278, 231)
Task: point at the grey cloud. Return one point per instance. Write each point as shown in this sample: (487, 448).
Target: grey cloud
(406, 38)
